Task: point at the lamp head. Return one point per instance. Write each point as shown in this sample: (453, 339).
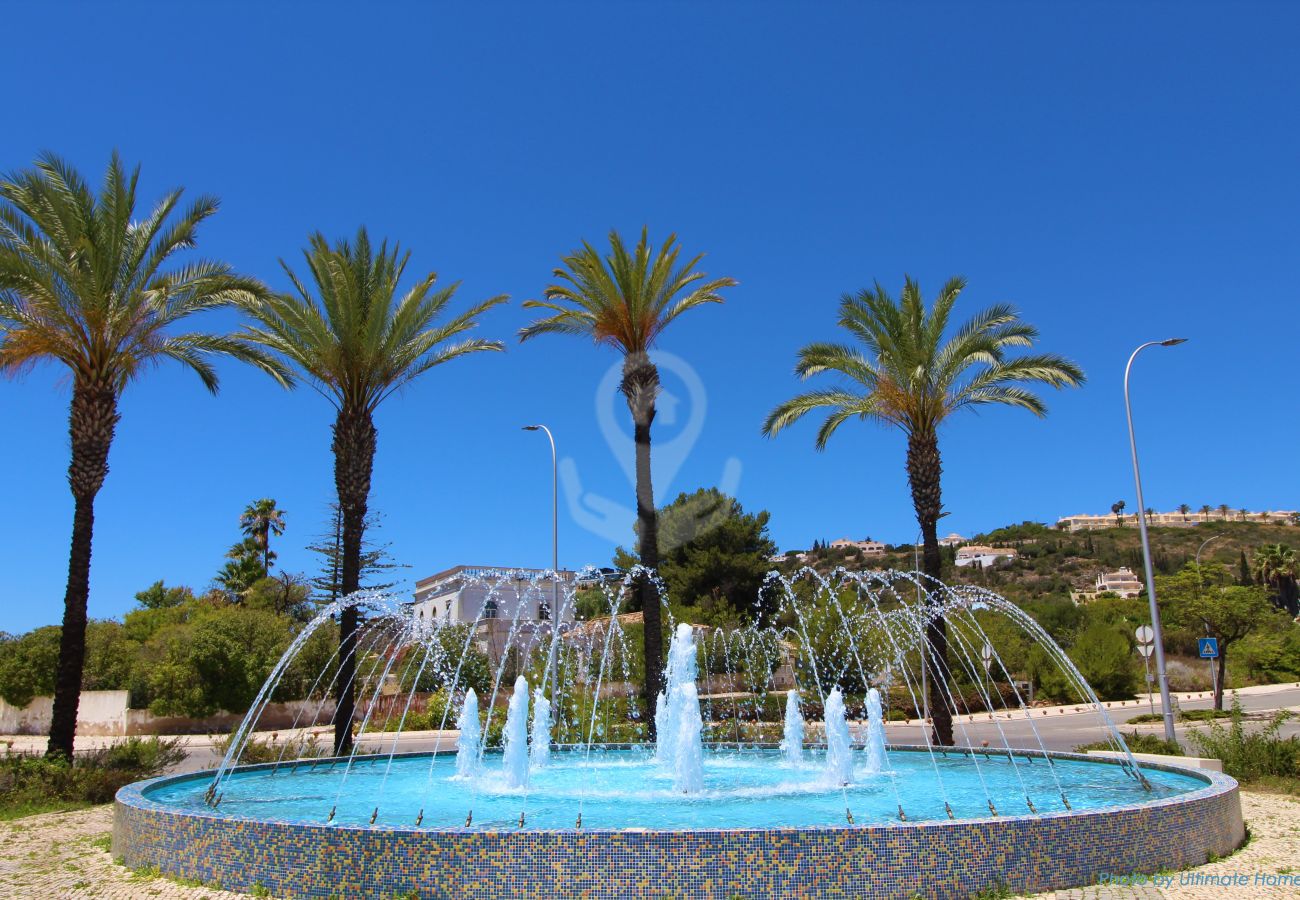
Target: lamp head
(1172, 342)
(532, 428)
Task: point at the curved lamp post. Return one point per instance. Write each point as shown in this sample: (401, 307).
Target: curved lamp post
(1146, 545)
(555, 566)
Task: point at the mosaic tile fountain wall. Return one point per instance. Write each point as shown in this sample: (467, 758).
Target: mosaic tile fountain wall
(930, 859)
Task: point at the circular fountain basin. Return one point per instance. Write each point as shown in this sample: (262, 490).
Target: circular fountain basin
(762, 827)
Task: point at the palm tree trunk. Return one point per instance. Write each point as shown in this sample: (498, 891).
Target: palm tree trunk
(354, 457)
(91, 423)
(266, 549)
(640, 386)
(924, 471)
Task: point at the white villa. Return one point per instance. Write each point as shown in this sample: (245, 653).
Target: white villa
(867, 547)
(1122, 583)
(490, 599)
(952, 540)
(984, 557)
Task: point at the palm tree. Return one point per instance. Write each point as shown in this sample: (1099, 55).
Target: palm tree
(1205, 512)
(625, 300)
(259, 520)
(356, 341)
(905, 375)
(1244, 514)
(1277, 566)
(1118, 509)
(86, 284)
(1224, 509)
(1184, 509)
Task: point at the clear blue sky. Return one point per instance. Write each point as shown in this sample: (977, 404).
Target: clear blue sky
(1120, 172)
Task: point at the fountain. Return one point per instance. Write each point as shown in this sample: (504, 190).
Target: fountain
(467, 740)
(678, 722)
(875, 734)
(792, 730)
(514, 759)
(839, 757)
(540, 746)
(722, 796)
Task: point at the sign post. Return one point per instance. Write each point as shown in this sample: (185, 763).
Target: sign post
(1145, 638)
(1208, 648)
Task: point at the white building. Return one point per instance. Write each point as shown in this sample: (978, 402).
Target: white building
(867, 547)
(1122, 583)
(984, 557)
(952, 540)
(1177, 519)
(492, 600)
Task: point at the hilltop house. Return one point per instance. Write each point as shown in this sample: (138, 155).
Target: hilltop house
(867, 547)
(1122, 583)
(984, 557)
(1178, 519)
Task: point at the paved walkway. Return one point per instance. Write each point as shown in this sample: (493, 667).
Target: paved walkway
(65, 855)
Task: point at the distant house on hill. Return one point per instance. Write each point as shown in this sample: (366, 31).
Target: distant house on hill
(952, 540)
(984, 557)
(1122, 583)
(867, 547)
(1178, 519)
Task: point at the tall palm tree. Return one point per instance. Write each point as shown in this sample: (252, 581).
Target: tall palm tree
(1224, 509)
(356, 341)
(1184, 509)
(904, 374)
(1277, 566)
(1117, 508)
(86, 284)
(625, 299)
(259, 520)
(1205, 512)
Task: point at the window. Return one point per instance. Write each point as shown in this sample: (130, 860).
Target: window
(543, 611)
(490, 609)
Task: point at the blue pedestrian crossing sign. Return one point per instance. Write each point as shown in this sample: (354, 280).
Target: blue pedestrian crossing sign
(1209, 647)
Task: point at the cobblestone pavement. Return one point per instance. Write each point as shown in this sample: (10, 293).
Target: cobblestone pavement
(65, 855)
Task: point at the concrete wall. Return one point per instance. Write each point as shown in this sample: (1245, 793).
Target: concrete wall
(107, 713)
(99, 713)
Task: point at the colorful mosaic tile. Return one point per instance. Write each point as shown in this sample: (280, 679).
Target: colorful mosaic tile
(931, 859)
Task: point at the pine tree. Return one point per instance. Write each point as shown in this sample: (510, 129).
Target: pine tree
(1243, 574)
(327, 586)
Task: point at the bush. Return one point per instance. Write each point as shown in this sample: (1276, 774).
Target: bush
(1137, 743)
(268, 750)
(1250, 755)
(31, 783)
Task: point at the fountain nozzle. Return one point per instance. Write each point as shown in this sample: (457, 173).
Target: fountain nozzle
(330, 818)
(420, 817)
(469, 819)
(374, 815)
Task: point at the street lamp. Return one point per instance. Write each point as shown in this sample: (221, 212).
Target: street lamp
(555, 566)
(1146, 545)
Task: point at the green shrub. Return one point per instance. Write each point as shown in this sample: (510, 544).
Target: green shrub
(31, 783)
(1137, 743)
(1250, 755)
(268, 750)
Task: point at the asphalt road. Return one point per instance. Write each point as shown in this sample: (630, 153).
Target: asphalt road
(1052, 728)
